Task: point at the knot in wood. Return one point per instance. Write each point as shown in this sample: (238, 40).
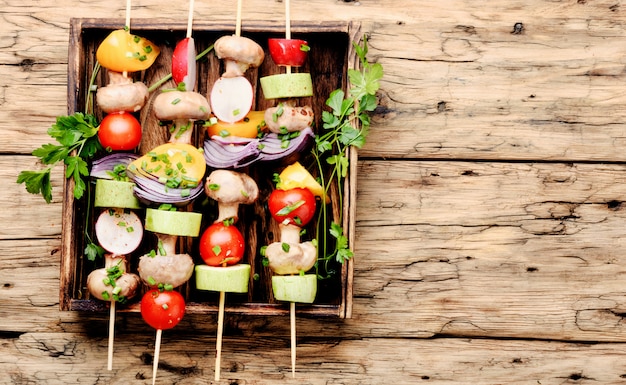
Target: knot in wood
(518, 28)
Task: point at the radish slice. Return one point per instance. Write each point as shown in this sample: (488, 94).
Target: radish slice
(231, 98)
(184, 63)
(118, 231)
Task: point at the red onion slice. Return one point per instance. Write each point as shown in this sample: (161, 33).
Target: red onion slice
(100, 168)
(221, 154)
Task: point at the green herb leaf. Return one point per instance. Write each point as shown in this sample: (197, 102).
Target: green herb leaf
(335, 101)
(92, 251)
(75, 132)
(37, 182)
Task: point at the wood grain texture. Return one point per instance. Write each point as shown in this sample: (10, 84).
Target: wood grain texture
(490, 207)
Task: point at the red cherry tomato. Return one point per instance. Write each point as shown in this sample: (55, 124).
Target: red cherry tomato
(221, 244)
(119, 131)
(184, 63)
(296, 206)
(288, 52)
(162, 309)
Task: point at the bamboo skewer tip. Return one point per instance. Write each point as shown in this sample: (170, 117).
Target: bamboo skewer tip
(111, 336)
(292, 319)
(157, 349)
(220, 331)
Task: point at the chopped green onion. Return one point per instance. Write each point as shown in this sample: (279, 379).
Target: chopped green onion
(290, 208)
(161, 248)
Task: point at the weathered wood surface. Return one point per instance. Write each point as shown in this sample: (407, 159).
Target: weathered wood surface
(490, 214)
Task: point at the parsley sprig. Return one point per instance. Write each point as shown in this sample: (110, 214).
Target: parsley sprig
(77, 143)
(346, 124)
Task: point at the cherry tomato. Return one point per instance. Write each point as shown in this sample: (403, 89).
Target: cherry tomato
(162, 309)
(288, 52)
(122, 51)
(221, 244)
(184, 63)
(296, 206)
(119, 131)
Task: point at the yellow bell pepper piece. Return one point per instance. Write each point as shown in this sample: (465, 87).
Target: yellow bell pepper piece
(249, 127)
(176, 165)
(122, 51)
(295, 175)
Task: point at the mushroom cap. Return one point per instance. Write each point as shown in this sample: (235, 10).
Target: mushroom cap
(240, 49)
(173, 105)
(226, 186)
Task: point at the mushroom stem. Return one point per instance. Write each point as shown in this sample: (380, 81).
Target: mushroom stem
(168, 243)
(289, 233)
(182, 131)
(234, 68)
(227, 210)
(111, 260)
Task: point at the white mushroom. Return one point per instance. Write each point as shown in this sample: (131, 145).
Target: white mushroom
(288, 118)
(239, 53)
(289, 256)
(230, 189)
(121, 94)
(172, 269)
(183, 108)
(113, 283)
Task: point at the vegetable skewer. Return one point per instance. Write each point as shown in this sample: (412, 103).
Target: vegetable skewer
(222, 244)
(292, 205)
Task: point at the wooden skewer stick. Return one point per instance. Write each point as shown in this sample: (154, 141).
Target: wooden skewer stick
(238, 24)
(190, 18)
(127, 24)
(287, 20)
(220, 330)
(157, 350)
(292, 317)
(111, 335)
(287, 27)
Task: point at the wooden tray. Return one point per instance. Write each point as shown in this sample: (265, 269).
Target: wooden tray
(330, 57)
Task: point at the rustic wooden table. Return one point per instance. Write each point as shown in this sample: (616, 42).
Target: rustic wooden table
(490, 211)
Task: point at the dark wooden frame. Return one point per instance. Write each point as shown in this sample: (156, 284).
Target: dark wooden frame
(328, 70)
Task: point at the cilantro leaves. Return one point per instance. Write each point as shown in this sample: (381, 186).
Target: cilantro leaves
(78, 142)
(345, 124)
